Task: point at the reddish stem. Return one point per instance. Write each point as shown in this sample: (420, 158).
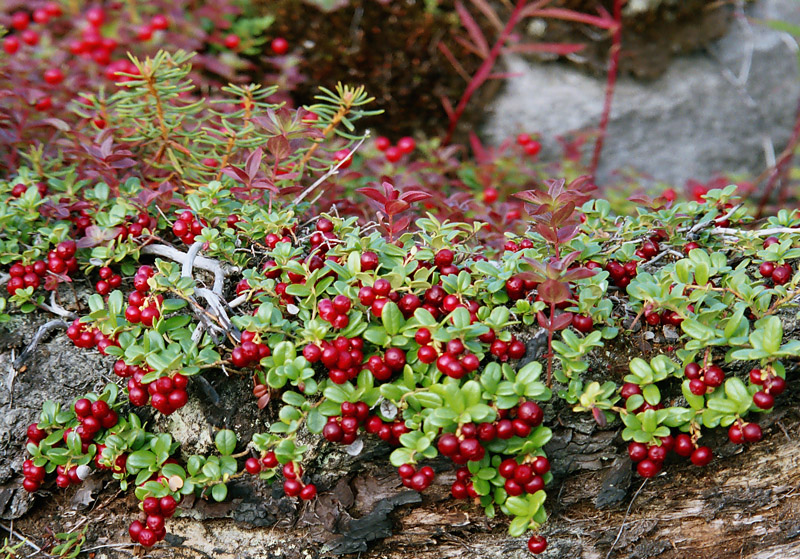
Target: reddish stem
(782, 165)
(485, 69)
(550, 354)
(611, 82)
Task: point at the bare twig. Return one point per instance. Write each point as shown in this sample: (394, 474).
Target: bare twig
(37, 337)
(201, 262)
(25, 539)
(332, 171)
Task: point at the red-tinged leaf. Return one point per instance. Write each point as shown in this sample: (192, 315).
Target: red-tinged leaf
(532, 275)
(532, 196)
(126, 163)
(253, 163)
(401, 224)
(552, 291)
(561, 321)
(474, 30)
(561, 49)
(489, 12)
(263, 401)
(542, 319)
(390, 191)
(566, 234)
(578, 273)
(236, 174)
(96, 235)
(642, 200)
(394, 207)
(546, 232)
(278, 146)
(567, 261)
(412, 196)
(290, 190)
(469, 46)
(599, 417)
(57, 123)
(105, 146)
(373, 193)
(563, 213)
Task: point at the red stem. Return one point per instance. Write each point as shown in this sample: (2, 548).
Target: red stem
(781, 165)
(485, 69)
(611, 82)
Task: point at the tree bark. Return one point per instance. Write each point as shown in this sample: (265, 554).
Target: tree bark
(744, 505)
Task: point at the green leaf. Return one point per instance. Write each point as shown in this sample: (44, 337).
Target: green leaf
(773, 334)
(225, 442)
(651, 394)
(518, 526)
(392, 318)
(219, 492)
(696, 330)
(139, 460)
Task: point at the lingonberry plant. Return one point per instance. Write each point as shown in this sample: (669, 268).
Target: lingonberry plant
(415, 327)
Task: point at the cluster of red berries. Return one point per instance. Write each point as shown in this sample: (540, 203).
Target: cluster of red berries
(514, 246)
(108, 281)
(134, 226)
(19, 189)
(141, 308)
(344, 429)
(342, 358)
(621, 274)
(118, 466)
(20, 22)
(465, 445)
(772, 385)
(526, 477)
(93, 417)
(59, 261)
(518, 288)
(249, 352)
(531, 146)
(455, 361)
(649, 459)
(168, 394)
(741, 432)
(157, 23)
(629, 389)
(512, 349)
(187, 227)
(34, 476)
(703, 380)
(394, 153)
(418, 480)
(654, 318)
(293, 484)
(84, 337)
(336, 311)
(152, 530)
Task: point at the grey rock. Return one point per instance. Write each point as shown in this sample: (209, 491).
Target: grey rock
(721, 110)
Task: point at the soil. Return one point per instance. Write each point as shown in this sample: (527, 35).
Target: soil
(744, 505)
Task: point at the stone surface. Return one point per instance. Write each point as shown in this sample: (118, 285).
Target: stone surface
(713, 111)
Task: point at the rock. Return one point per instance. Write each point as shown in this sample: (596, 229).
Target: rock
(711, 112)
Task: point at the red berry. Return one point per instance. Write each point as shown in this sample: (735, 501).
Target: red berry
(702, 456)
(537, 544)
(20, 20)
(252, 465)
(308, 492)
(231, 41)
(406, 144)
(393, 154)
(647, 468)
(752, 432)
(279, 45)
(490, 195)
(11, 45)
(684, 445)
(159, 22)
